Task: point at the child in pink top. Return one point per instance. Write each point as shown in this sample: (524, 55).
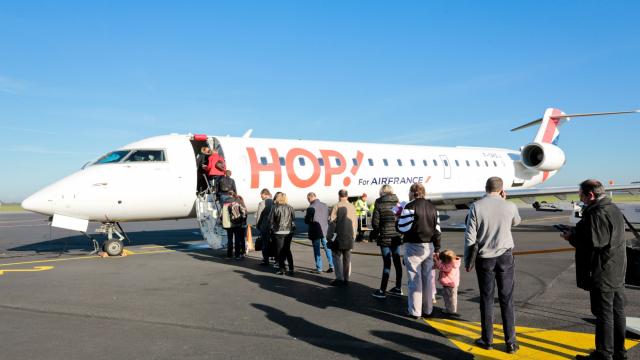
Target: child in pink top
(448, 265)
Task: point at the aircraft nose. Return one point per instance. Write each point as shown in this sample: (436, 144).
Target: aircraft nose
(40, 202)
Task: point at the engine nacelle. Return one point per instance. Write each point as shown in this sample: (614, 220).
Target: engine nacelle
(543, 157)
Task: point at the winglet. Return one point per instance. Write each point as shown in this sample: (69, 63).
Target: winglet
(248, 134)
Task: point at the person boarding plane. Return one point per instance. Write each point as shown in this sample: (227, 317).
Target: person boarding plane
(156, 178)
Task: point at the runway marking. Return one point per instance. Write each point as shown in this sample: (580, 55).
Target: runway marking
(86, 258)
(545, 219)
(34, 269)
(32, 225)
(534, 343)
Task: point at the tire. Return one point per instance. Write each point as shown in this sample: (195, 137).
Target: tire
(113, 247)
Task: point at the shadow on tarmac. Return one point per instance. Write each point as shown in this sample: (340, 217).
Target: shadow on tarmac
(138, 238)
(354, 297)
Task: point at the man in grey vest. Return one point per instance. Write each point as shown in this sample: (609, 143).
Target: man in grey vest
(317, 217)
(488, 239)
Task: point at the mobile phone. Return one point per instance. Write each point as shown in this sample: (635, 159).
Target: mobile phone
(561, 227)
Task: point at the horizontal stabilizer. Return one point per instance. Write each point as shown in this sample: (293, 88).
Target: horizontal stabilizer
(566, 116)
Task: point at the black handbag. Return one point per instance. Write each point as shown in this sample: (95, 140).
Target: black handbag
(258, 245)
(470, 259)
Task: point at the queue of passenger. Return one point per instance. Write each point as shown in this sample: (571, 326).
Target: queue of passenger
(488, 246)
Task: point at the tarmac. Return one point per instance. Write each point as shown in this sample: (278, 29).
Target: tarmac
(173, 298)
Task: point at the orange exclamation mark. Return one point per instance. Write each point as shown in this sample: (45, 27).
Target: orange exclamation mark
(354, 168)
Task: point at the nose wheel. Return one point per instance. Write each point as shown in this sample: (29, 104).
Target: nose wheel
(113, 245)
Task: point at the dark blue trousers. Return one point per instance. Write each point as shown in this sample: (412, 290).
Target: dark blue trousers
(501, 271)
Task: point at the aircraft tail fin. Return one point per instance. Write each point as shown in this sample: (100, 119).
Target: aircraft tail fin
(550, 123)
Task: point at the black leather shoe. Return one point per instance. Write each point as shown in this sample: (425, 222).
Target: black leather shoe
(410, 315)
(512, 348)
(336, 283)
(482, 344)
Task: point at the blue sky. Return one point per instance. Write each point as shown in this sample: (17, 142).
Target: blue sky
(78, 79)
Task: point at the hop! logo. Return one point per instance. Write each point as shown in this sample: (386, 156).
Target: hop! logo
(331, 168)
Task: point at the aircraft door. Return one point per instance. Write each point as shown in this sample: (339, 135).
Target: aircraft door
(446, 166)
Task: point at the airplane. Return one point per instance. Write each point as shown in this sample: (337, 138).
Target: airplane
(156, 178)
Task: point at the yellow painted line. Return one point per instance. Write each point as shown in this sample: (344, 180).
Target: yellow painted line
(534, 343)
(85, 258)
(34, 269)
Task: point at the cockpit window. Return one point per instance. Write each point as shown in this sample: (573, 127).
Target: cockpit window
(113, 157)
(145, 155)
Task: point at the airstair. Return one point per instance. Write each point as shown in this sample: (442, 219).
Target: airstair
(207, 210)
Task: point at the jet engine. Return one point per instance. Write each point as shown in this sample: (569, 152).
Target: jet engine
(543, 157)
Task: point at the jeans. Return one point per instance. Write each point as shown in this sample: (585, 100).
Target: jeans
(419, 263)
(238, 234)
(266, 242)
(317, 254)
(500, 270)
(388, 253)
(283, 250)
(608, 308)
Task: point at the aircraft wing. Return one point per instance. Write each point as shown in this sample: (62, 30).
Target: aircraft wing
(526, 195)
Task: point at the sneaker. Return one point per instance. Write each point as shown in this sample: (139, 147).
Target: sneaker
(336, 282)
(238, 257)
(290, 273)
(276, 266)
(316, 271)
(379, 294)
(280, 272)
(433, 300)
(396, 291)
(512, 348)
(264, 263)
(482, 344)
(330, 270)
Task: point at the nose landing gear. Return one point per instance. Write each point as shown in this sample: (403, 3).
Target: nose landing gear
(113, 246)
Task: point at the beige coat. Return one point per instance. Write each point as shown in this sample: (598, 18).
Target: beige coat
(343, 222)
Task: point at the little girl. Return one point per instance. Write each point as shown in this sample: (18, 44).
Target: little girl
(448, 264)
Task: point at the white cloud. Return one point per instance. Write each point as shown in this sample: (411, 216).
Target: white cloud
(12, 86)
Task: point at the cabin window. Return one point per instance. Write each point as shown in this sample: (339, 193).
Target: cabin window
(263, 160)
(301, 161)
(477, 163)
(467, 161)
(495, 164)
(413, 163)
(145, 155)
(425, 162)
(435, 163)
(113, 157)
(486, 163)
(370, 162)
(399, 162)
(355, 162)
(321, 161)
(446, 163)
(385, 162)
(457, 163)
(338, 162)
(282, 161)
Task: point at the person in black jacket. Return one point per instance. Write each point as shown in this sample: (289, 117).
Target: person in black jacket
(601, 262)
(420, 226)
(388, 238)
(225, 185)
(282, 219)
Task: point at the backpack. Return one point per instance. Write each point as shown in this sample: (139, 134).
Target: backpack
(237, 213)
(224, 185)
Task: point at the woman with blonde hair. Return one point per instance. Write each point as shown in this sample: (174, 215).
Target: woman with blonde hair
(388, 238)
(282, 227)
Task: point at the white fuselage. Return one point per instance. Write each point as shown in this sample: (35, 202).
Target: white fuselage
(155, 190)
